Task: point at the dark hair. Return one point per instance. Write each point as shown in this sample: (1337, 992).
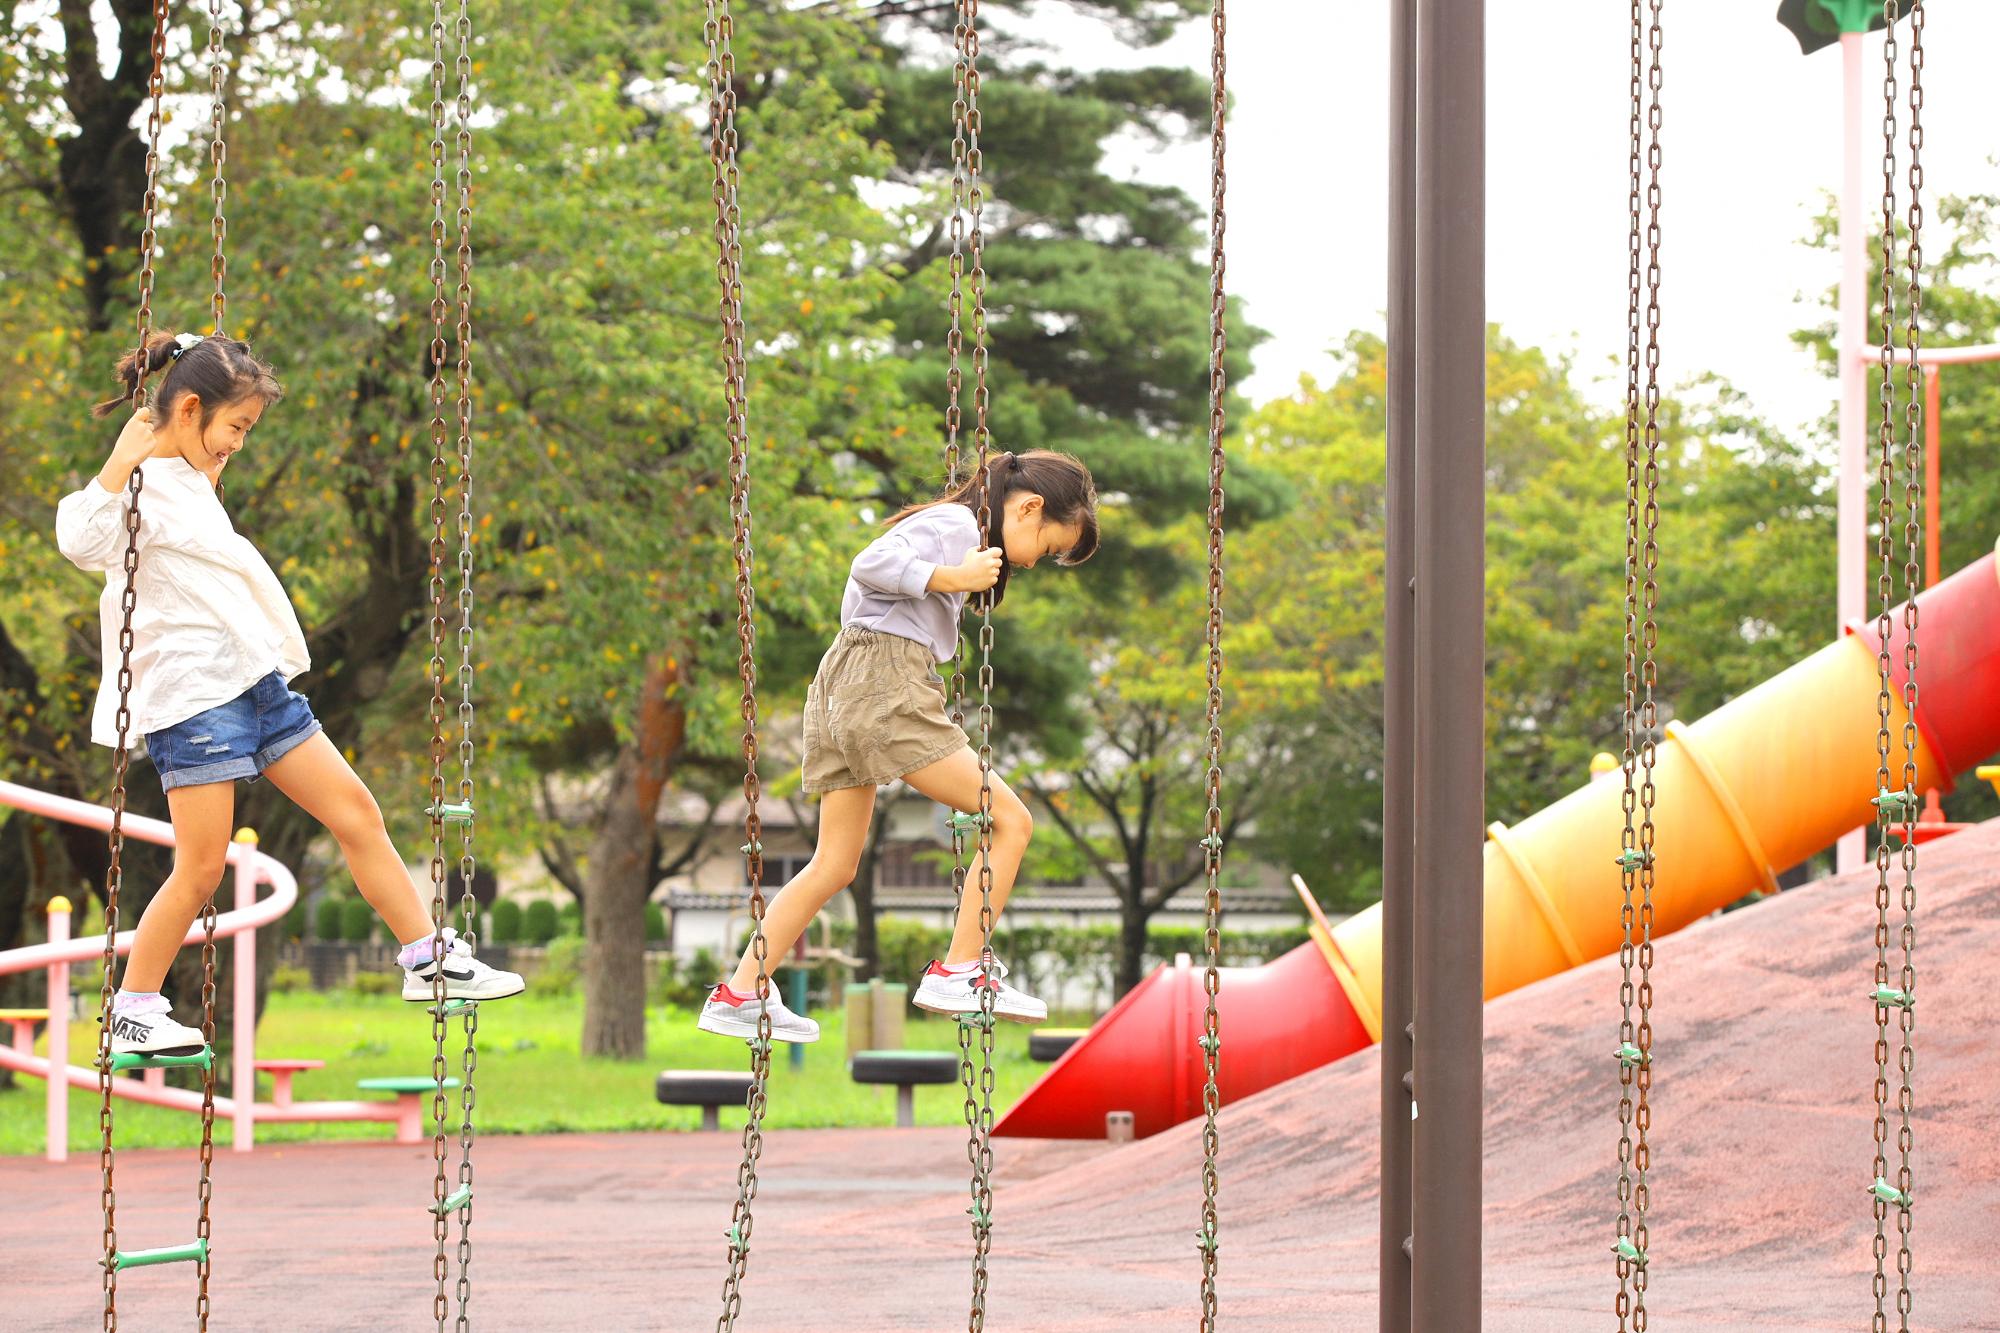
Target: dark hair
(219, 371)
(1068, 496)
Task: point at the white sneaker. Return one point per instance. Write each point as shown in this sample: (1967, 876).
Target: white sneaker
(727, 1016)
(951, 990)
(465, 977)
(148, 1029)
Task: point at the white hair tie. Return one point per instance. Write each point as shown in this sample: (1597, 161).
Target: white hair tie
(182, 342)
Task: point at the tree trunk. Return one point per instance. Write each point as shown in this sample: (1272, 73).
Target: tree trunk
(618, 878)
(1132, 933)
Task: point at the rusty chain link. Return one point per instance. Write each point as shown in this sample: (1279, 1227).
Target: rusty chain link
(1896, 807)
(467, 862)
(1218, 387)
(121, 755)
(719, 28)
(1641, 708)
(438, 356)
(218, 153)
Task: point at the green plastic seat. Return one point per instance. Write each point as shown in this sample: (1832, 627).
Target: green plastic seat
(402, 1084)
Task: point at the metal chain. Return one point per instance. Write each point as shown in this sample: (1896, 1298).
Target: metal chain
(1629, 800)
(1642, 596)
(719, 28)
(121, 755)
(439, 354)
(1218, 386)
(1896, 806)
(218, 153)
(968, 243)
(467, 863)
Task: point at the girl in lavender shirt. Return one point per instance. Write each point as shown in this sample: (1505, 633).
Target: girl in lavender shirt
(875, 713)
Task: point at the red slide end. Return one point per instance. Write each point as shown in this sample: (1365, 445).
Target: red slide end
(1958, 665)
(1277, 1022)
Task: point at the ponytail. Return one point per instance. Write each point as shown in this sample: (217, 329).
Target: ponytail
(217, 370)
(1064, 483)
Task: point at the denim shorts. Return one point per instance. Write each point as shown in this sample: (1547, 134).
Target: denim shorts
(239, 739)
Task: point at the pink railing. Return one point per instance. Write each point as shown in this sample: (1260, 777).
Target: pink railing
(251, 868)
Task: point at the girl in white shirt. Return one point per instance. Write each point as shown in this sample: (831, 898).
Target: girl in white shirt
(875, 713)
(214, 643)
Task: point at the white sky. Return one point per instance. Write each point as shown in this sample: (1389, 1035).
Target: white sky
(1752, 147)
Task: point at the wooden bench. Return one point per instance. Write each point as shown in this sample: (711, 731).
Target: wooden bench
(904, 1069)
(410, 1093)
(710, 1089)
(281, 1072)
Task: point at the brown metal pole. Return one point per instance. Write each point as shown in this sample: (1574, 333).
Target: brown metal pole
(1398, 654)
(1451, 641)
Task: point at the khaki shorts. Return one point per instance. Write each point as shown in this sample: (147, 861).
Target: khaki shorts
(875, 712)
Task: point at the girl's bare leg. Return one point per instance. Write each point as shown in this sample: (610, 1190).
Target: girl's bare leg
(201, 818)
(843, 830)
(954, 781)
(318, 778)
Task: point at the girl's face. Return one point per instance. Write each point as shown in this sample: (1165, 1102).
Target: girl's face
(208, 449)
(1028, 535)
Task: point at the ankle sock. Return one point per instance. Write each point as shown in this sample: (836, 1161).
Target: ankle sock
(960, 969)
(419, 952)
(139, 1002)
(734, 996)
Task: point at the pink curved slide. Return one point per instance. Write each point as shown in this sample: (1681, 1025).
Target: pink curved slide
(1774, 775)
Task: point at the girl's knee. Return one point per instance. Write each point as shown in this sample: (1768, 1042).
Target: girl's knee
(199, 873)
(358, 819)
(1012, 819)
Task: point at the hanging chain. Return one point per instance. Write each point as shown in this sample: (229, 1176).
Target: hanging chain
(218, 153)
(1642, 596)
(114, 874)
(1218, 385)
(1896, 807)
(467, 863)
(439, 355)
(719, 28)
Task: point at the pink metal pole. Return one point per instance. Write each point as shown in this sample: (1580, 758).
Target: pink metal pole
(243, 1081)
(1850, 531)
(58, 1006)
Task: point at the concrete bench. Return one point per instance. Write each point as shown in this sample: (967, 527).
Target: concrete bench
(281, 1072)
(904, 1069)
(1046, 1044)
(410, 1094)
(710, 1089)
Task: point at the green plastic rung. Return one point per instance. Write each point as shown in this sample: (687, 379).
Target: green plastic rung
(1629, 1252)
(136, 1060)
(1633, 858)
(167, 1254)
(1630, 1055)
(454, 1201)
(1895, 804)
(1889, 1194)
(1888, 997)
(963, 823)
(450, 813)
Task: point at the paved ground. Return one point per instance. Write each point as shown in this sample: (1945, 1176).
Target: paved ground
(1763, 1152)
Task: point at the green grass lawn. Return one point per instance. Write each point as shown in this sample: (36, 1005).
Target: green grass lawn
(530, 1078)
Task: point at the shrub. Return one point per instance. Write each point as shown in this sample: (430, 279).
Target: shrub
(378, 983)
(685, 987)
(570, 919)
(326, 920)
(293, 927)
(285, 980)
(505, 925)
(538, 924)
(357, 921)
(563, 969)
(656, 924)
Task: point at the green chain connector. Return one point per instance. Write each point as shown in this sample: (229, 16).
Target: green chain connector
(1889, 1194)
(451, 1007)
(1205, 1240)
(1896, 805)
(125, 1060)
(1632, 858)
(981, 1219)
(1888, 997)
(453, 1202)
(450, 814)
(1210, 1042)
(964, 823)
(760, 1046)
(977, 1020)
(1629, 1252)
(737, 1244)
(1631, 1056)
(1212, 843)
(752, 849)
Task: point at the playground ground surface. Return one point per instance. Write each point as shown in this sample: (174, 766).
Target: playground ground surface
(1762, 1155)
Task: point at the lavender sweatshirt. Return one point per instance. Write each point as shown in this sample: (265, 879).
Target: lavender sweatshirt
(887, 585)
